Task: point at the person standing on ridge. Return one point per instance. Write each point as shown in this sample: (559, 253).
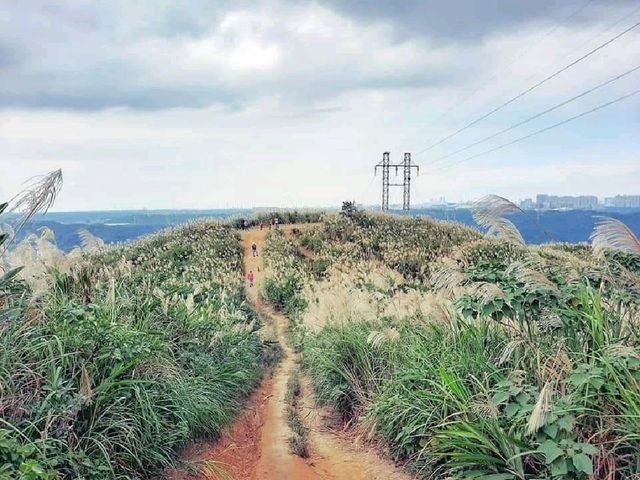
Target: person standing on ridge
(250, 278)
(276, 222)
(246, 224)
(270, 223)
(254, 249)
(261, 224)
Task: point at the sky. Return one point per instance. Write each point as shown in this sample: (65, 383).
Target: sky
(291, 103)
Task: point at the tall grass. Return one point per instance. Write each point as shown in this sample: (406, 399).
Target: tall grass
(127, 356)
(521, 362)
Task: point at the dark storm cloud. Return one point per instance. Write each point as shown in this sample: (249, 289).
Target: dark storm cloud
(94, 55)
(469, 20)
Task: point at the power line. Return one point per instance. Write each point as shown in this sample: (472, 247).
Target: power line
(608, 27)
(601, 32)
(530, 89)
(538, 115)
(515, 59)
(542, 130)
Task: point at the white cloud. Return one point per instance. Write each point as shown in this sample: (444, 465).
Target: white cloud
(292, 104)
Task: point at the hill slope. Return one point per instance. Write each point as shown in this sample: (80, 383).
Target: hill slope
(472, 357)
(124, 356)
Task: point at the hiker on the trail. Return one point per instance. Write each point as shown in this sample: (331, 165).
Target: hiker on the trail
(276, 222)
(270, 223)
(250, 278)
(254, 249)
(246, 224)
(261, 224)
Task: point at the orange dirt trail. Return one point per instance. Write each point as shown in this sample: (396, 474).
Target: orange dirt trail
(256, 446)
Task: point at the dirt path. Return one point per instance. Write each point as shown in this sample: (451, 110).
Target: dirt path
(256, 446)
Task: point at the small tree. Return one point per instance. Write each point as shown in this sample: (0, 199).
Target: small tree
(349, 209)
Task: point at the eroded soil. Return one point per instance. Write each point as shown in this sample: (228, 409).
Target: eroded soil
(256, 446)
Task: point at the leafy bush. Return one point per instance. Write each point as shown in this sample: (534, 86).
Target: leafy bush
(285, 295)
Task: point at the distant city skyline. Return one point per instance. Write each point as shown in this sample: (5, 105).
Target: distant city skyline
(579, 202)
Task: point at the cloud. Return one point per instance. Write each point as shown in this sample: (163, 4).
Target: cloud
(469, 21)
(203, 104)
(153, 55)
(90, 58)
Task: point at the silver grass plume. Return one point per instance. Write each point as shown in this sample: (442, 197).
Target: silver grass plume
(37, 197)
(89, 241)
(449, 277)
(541, 409)
(508, 350)
(489, 212)
(525, 272)
(612, 234)
(379, 338)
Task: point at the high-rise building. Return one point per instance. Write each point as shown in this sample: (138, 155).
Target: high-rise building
(527, 204)
(623, 201)
(582, 202)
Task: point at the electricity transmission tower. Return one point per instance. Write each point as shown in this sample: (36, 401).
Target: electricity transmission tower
(385, 165)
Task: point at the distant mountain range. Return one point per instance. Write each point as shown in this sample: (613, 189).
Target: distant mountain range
(121, 226)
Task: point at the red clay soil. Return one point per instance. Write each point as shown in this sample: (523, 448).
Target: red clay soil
(256, 446)
(237, 450)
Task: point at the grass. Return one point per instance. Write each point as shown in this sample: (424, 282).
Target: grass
(473, 357)
(299, 439)
(125, 356)
(284, 276)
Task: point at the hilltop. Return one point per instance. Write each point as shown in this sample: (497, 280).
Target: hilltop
(380, 347)
(114, 227)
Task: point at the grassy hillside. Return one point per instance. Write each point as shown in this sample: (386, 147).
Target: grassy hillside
(472, 356)
(110, 362)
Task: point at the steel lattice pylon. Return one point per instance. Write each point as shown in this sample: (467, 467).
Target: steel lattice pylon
(385, 165)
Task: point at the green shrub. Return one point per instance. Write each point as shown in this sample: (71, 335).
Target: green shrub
(285, 294)
(127, 358)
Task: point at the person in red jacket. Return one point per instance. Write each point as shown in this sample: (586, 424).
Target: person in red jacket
(250, 278)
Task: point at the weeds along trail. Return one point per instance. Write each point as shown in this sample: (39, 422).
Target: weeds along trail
(257, 445)
(470, 356)
(275, 461)
(330, 456)
(112, 361)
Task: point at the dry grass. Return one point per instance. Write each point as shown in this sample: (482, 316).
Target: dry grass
(37, 197)
(612, 234)
(489, 212)
(366, 292)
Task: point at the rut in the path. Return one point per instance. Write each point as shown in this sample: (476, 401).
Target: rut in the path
(256, 446)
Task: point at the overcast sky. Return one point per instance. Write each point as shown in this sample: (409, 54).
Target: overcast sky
(213, 104)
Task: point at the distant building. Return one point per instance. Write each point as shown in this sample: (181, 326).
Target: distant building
(551, 202)
(623, 201)
(527, 204)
